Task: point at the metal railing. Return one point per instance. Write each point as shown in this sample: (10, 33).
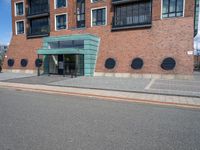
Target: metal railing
(39, 9)
(131, 21)
(43, 30)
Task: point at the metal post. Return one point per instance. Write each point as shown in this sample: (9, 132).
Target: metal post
(38, 72)
(63, 66)
(48, 64)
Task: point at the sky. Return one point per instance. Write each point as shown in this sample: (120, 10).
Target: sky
(5, 21)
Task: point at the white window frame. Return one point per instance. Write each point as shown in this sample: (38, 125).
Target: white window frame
(93, 2)
(161, 17)
(106, 17)
(16, 27)
(55, 7)
(16, 8)
(55, 23)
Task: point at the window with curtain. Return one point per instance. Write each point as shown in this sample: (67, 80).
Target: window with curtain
(172, 8)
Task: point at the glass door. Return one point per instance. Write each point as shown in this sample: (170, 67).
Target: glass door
(74, 64)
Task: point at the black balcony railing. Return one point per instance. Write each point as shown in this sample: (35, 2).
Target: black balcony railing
(38, 31)
(123, 1)
(132, 22)
(39, 9)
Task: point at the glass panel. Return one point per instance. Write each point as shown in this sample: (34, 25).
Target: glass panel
(94, 19)
(80, 12)
(20, 27)
(53, 64)
(172, 6)
(61, 22)
(175, 8)
(66, 44)
(99, 17)
(39, 26)
(38, 6)
(60, 3)
(179, 5)
(137, 13)
(165, 6)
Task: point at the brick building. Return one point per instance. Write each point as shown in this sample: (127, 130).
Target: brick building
(102, 37)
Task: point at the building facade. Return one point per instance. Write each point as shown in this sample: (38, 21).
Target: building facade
(98, 37)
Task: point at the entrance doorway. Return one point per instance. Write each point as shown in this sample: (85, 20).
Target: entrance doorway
(66, 64)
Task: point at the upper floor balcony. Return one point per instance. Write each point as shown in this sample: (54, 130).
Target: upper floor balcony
(123, 1)
(38, 8)
(35, 32)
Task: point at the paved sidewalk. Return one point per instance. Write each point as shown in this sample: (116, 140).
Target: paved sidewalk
(110, 95)
(8, 75)
(173, 87)
(173, 91)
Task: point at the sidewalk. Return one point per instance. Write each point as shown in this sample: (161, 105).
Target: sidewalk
(109, 95)
(178, 92)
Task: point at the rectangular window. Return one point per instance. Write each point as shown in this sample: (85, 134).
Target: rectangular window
(132, 14)
(99, 17)
(61, 3)
(80, 13)
(196, 17)
(20, 27)
(61, 22)
(172, 8)
(19, 8)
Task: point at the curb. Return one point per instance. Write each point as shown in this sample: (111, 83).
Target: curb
(112, 98)
(133, 91)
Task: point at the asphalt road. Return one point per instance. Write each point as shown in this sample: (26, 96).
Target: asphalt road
(35, 121)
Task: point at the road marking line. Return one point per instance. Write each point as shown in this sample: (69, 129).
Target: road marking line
(150, 84)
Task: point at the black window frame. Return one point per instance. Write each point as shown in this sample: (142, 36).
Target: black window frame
(59, 5)
(134, 18)
(63, 26)
(19, 11)
(80, 13)
(99, 21)
(176, 12)
(20, 31)
(196, 16)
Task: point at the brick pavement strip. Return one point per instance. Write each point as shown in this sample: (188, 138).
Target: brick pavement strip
(106, 94)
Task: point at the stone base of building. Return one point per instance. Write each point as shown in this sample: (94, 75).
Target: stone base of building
(146, 76)
(20, 71)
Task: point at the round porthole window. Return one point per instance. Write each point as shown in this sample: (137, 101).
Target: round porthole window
(24, 62)
(137, 63)
(11, 62)
(110, 63)
(168, 64)
(38, 62)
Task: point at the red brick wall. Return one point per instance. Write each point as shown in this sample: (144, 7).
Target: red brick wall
(167, 37)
